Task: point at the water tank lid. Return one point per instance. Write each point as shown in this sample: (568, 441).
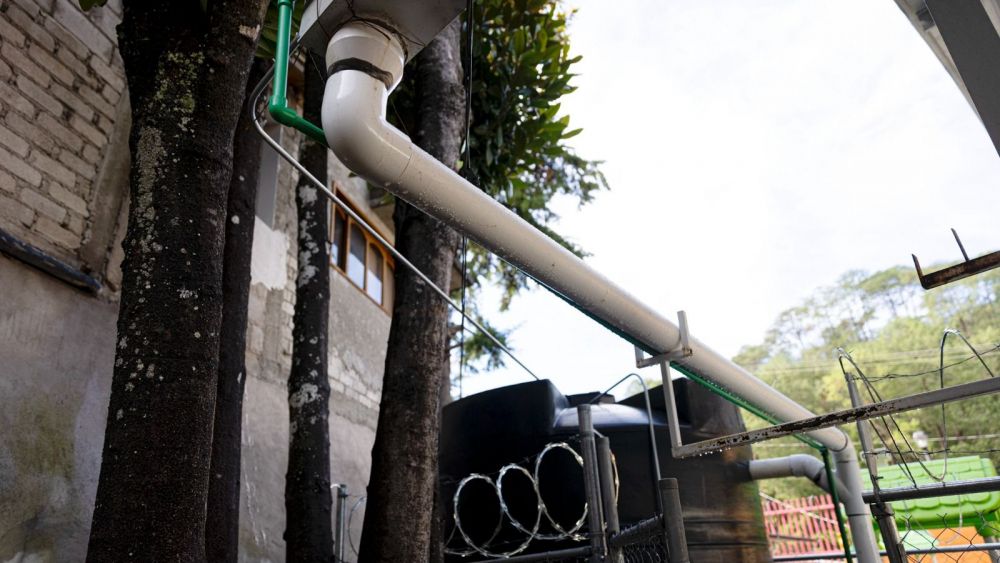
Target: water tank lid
(583, 398)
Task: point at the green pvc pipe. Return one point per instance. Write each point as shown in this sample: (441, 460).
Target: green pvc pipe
(841, 525)
(277, 105)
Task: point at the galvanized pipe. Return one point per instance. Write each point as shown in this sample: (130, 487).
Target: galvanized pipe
(673, 521)
(609, 496)
(933, 490)
(340, 531)
(591, 484)
(354, 122)
(796, 465)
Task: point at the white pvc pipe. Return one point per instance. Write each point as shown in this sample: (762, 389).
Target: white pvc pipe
(354, 122)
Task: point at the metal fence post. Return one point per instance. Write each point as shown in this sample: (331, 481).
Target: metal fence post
(673, 521)
(608, 496)
(340, 531)
(880, 510)
(591, 482)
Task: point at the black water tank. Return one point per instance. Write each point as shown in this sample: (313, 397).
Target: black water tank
(483, 432)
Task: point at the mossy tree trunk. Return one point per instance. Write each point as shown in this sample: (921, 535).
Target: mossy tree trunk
(223, 523)
(403, 479)
(308, 528)
(186, 69)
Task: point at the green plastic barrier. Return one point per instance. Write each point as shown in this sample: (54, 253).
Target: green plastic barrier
(980, 510)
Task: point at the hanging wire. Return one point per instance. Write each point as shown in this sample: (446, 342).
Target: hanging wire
(467, 174)
(253, 106)
(891, 427)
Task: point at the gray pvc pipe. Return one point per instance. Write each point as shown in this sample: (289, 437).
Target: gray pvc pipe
(797, 465)
(354, 122)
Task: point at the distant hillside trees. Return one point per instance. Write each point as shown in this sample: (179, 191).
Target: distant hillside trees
(893, 329)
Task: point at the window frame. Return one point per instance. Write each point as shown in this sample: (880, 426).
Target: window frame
(343, 249)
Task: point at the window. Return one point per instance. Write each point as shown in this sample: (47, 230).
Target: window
(373, 284)
(362, 259)
(356, 258)
(337, 254)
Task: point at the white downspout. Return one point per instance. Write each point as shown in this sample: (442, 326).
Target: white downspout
(366, 62)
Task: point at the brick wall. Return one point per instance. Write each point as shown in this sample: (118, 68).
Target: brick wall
(60, 82)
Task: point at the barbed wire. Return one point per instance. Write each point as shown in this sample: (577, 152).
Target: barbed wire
(890, 428)
(487, 547)
(936, 370)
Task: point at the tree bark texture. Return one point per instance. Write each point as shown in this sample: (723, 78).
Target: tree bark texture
(308, 500)
(186, 70)
(223, 520)
(404, 458)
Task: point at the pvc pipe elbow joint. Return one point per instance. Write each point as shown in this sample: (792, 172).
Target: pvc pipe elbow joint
(366, 63)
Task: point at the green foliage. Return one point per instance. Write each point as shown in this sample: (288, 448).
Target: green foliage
(522, 67)
(893, 329)
(481, 353)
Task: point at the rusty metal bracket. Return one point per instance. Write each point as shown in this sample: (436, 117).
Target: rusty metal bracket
(977, 388)
(958, 271)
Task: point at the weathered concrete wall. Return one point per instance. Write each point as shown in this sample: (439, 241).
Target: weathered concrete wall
(63, 175)
(56, 355)
(358, 332)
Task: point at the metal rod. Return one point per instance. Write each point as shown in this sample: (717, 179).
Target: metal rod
(882, 512)
(673, 421)
(364, 224)
(673, 521)
(891, 406)
(986, 484)
(912, 551)
(960, 245)
(958, 271)
(608, 495)
(556, 555)
(340, 530)
(652, 430)
(595, 509)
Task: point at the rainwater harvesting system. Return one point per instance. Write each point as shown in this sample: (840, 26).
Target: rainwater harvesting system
(366, 45)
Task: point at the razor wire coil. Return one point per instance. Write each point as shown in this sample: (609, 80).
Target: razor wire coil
(531, 532)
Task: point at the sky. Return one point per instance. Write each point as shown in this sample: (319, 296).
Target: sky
(755, 152)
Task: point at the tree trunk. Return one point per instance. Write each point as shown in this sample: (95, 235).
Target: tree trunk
(308, 529)
(186, 71)
(223, 523)
(404, 458)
